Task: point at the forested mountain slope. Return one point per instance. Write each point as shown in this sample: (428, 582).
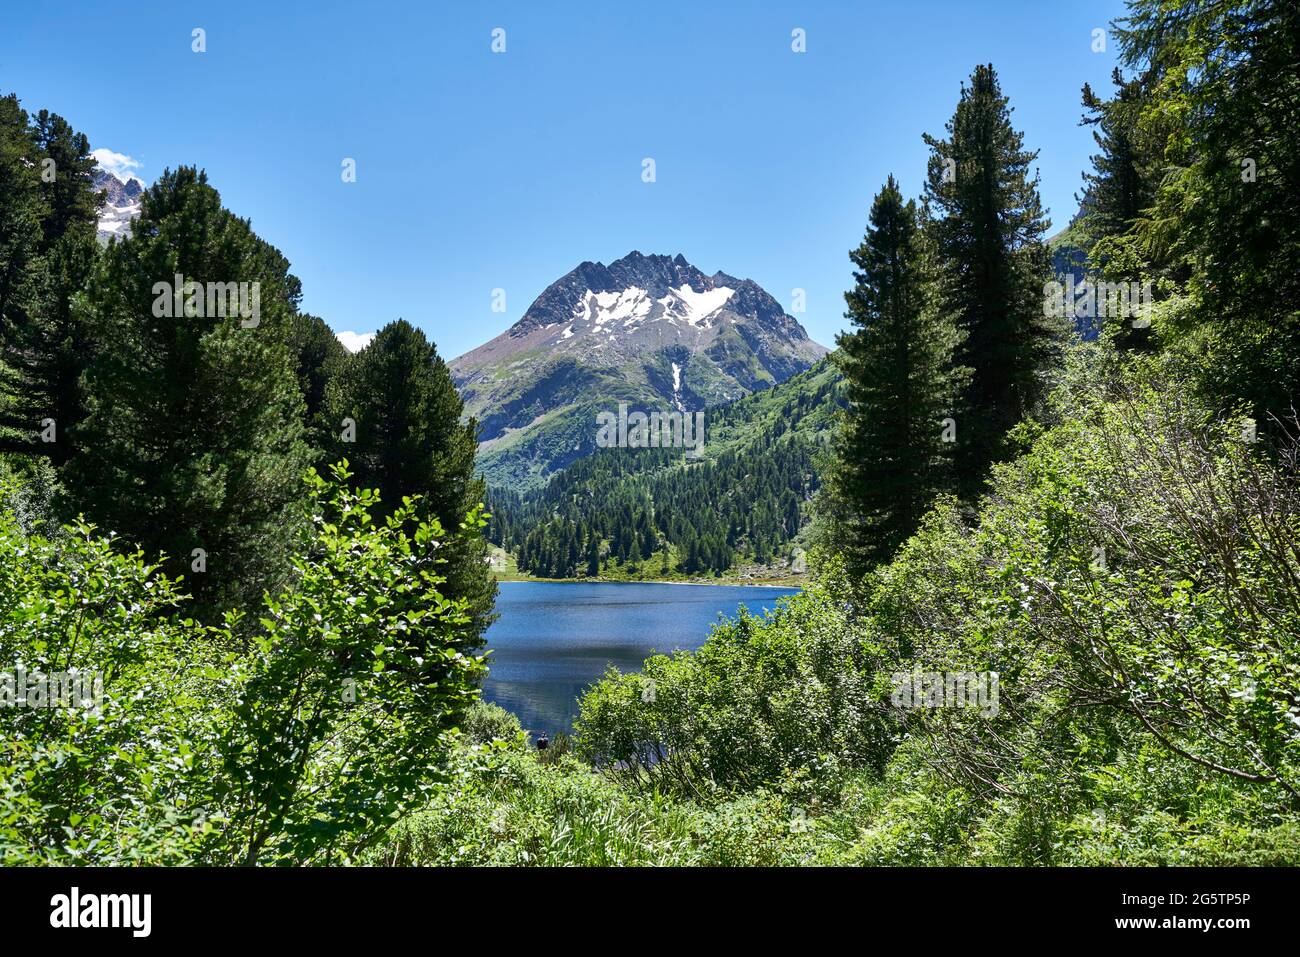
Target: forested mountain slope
(661, 512)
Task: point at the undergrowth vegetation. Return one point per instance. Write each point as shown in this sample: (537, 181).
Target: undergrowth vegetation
(1133, 579)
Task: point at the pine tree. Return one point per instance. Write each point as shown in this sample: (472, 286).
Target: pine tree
(593, 556)
(48, 211)
(994, 267)
(193, 441)
(21, 268)
(1117, 192)
(321, 360)
(891, 457)
(410, 440)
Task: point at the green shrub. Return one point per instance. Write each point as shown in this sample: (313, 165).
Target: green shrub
(296, 740)
(485, 722)
(762, 697)
(112, 782)
(508, 808)
(1134, 580)
(344, 702)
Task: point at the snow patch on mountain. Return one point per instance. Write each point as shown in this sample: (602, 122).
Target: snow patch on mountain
(608, 308)
(634, 305)
(121, 201)
(695, 307)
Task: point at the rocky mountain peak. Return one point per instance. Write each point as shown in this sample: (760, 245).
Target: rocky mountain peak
(651, 328)
(121, 203)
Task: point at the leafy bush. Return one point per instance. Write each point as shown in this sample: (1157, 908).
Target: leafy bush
(343, 700)
(505, 807)
(485, 723)
(760, 698)
(1134, 581)
(111, 784)
(298, 740)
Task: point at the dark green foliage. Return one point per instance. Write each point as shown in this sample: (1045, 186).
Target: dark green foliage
(1118, 193)
(1120, 187)
(746, 497)
(321, 360)
(47, 249)
(988, 230)
(194, 437)
(409, 440)
(70, 198)
(1225, 102)
(892, 457)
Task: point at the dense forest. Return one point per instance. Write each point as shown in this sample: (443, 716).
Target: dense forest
(272, 552)
(258, 544)
(660, 513)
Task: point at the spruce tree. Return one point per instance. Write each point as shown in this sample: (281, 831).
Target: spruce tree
(193, 442)
(21, 268)
(1224, 93)
(1119, 187)
(994, 267)
(410, 440)
(593, 555)
(1117, 193)
(891, 455)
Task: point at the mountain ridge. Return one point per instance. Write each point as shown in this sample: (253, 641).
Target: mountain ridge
(651, 329)
(121, 204)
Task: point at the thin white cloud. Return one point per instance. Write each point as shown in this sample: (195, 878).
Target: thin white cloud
(355, 341)
(119, 164)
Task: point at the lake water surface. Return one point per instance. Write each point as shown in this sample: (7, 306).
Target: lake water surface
(553, 639)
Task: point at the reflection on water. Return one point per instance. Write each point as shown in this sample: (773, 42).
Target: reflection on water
(553, 639)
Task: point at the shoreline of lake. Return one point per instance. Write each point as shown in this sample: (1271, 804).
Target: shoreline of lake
(549, 643)
(774, 583)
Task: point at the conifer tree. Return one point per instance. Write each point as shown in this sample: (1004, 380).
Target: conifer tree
(48, 212)
(410, 440)
(994, 267)
(1224, 92)
(891, 456)
(21, 269)
(321, 360)
(193, 442)
(1117, 193)
(1119, 187)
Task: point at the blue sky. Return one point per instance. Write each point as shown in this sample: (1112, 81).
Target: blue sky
(478, 171)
